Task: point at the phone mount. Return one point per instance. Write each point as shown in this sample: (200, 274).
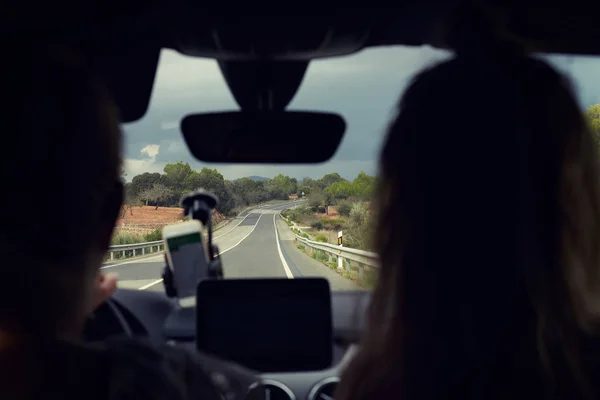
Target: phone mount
(198, 205)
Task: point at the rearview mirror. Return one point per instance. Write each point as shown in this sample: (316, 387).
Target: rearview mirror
(278, 137)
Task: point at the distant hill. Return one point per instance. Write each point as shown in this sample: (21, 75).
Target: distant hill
(257, 178)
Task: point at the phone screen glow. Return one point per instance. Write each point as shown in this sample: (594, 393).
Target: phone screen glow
(188, 261)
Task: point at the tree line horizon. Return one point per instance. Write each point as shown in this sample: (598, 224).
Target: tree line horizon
(166, 188)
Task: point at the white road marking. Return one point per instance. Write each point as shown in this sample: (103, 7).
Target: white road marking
(137, 260)
(162, 252)
(220, 252)
(244, 238)
(223, 234)
(150, 284)
(286, 267)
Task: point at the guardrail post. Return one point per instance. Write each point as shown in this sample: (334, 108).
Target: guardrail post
(340, 259)
(131, 250)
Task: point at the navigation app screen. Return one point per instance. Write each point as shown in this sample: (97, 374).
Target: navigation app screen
(188, 262)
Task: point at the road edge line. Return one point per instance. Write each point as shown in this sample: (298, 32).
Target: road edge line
(286, 267)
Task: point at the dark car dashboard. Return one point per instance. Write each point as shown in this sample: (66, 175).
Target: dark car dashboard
(144, 314)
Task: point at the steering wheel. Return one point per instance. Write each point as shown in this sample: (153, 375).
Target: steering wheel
(107, 320)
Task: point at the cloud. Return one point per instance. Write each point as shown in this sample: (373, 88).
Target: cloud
(147, 163)
(364, 88)
(168, 125)
(151, 151)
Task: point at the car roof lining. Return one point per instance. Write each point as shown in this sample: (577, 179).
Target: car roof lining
(123, 40)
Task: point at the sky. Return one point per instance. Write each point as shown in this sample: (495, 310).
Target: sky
(362, 87)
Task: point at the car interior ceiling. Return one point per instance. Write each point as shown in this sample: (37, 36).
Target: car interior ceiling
(123, 41)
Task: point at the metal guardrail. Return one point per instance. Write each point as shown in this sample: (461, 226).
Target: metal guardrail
(135, 249)
(347, 253)
(130, 250)
(345, 256)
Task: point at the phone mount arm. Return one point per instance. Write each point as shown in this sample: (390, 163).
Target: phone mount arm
(198, 205)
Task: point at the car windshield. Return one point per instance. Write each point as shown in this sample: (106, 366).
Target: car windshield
(274, 220)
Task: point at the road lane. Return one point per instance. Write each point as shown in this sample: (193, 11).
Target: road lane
(145, 273)
(258, 245)
(257, 256)
(269, 254)
(301, 264)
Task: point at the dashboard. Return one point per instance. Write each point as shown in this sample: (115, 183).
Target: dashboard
(144, 313)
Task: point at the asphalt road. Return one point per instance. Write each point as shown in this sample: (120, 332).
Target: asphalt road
(257, 245)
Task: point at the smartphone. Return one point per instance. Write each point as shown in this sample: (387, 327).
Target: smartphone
(187, 257)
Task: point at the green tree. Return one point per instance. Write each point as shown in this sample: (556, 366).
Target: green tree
(157, 194)
(329, 179)
(176, 175)
(213, 181)
(144, 181)
(248, 191)
(282, 186)
(341, 190)
(363, 185)
(360, 188)
(131, 199)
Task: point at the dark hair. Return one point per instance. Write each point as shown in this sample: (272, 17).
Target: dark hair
(62, 162)
(488, 233)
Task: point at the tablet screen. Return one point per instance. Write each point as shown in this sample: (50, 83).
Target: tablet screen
(270, 325)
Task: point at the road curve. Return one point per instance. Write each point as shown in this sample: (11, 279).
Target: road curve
(258, 244)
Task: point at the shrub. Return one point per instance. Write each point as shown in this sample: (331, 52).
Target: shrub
(321, 238)
(120, 238)
(360, 229)
(344, 208)
(304, 210)
(317, 225)
(153, 236)
(292, 215)
(333, 223)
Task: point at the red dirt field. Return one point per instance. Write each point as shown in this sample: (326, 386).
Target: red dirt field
(146, 219)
